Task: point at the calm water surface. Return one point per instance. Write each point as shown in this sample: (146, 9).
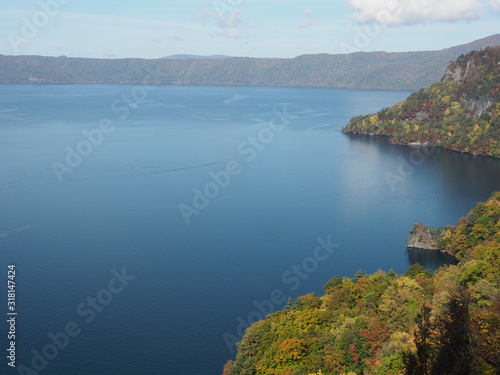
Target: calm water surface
(118, 207)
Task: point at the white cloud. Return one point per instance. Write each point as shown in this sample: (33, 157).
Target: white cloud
(309, 20)
(408, 12)
(495, 4)
(228, 20)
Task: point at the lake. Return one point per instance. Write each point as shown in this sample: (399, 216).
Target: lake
(150, 225)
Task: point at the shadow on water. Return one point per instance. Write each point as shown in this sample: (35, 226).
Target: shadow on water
(430, 259)
(464, 180)
(478, 174)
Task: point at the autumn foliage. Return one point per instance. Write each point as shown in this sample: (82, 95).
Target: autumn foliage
(418, 323)
(460, 113)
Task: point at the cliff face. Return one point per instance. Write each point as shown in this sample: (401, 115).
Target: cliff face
(422, 238)
(461, 112)
(470, 72)
(461, 68)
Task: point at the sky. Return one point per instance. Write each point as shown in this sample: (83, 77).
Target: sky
(254, 28)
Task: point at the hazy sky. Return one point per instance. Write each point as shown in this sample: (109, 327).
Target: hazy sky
(257, 28)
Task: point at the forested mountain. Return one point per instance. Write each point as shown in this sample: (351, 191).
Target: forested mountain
(461, 112)
(418, 323)
(360, 70)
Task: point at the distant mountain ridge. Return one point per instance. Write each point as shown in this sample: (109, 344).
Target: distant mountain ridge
(187, 56)
(360, 70)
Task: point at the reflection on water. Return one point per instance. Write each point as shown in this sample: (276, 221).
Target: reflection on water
(430, 259)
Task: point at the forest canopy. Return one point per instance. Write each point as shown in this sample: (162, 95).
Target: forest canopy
(417, 323)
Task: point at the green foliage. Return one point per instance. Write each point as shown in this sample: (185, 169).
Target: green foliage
(479, 227)
(359, 274)
(384, 324)
(460, 113)
(309, 301)
(416, 270)
(332, 283)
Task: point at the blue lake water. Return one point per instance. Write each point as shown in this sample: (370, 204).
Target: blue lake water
(288, 180)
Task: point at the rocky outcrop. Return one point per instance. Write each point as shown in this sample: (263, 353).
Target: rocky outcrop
(478, 105)
(421, 238)
(459, 69)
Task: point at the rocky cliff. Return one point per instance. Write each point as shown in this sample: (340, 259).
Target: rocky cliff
(422, 238)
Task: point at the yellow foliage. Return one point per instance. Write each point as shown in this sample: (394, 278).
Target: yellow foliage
(407, 284)
(455, 106)
(447, 234)
(398, 341)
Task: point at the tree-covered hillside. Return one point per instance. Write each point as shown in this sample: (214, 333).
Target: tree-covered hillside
(359, 70)
(418, 323)
(460, 113)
